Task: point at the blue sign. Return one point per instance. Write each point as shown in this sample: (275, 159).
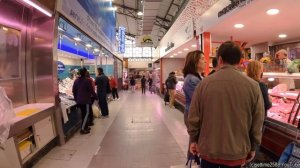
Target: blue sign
(60, 67)
(122, 40)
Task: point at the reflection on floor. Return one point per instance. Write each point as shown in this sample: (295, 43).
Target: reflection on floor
(141, 132)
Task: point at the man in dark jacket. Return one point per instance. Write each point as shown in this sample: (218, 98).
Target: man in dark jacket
(82, 91)
(143, 82)
(171, 86)
(103, 87)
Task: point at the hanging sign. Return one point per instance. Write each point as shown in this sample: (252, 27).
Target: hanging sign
(121, 40)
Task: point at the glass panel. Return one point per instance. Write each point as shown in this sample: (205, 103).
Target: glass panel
(10, 47)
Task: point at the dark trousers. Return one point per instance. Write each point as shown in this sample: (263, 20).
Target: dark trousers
(91, 114)
(84, 108)
(143, 89)
(115, 93)
(103, 104)
(206, 164)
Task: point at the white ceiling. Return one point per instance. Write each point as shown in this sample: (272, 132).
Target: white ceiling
(260, 27)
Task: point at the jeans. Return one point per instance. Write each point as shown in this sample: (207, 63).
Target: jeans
(143, 89)
(115, 93)
(206, 164)
(103, 104)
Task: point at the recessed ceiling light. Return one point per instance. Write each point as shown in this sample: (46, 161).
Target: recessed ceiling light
(272, 11)
(96, 50)
(238, 26)
(282, 35)
(88, 45)
(140, 13)
(175, 54)
(186, 49)
(179, 52)
(194, 45)
(4, 28)
(171, 56)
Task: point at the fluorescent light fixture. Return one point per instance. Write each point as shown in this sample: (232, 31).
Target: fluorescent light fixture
(77, 38)
(194, 45)
(38, 7)
(179, 52)
(186, 49)
(88, 45)
(140, 13)
(239, 26)
(282, 35)
(61, 29)
(172, 56)
(4, 28)
(272, 11)
(271, 79)
(96, 50)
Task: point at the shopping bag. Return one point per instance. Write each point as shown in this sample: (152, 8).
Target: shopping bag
(96, 110)
(290, 155)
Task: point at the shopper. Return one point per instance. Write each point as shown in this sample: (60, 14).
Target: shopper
(194, 66)
(93, 97)
(102, 83)
(254, 71)
(132, 84)
(215, 65)
(82, 91)
(150, 82)
(143, 83)
(226, 114)
(114, 89)
(171, 86)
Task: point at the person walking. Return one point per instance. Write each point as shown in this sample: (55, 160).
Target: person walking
(171, 86)
(143, 83)
(255, 71)
(83, 91)
(226, 114)
(194, 66)
(103, 88)
(150, 82)
(114, 89)
(132, 84)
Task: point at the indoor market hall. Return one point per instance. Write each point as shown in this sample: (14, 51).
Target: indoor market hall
(149, 83)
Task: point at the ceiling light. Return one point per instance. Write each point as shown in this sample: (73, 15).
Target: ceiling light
(179, 52)
(171, 56)
(4, 28)
(175, 54)
(96, 50)
(88, 45)
(114, 8)
(140, 13)
(38, 7)
(239, 26)
(282, 35)
(77, 38)
(194, 45)
(186, 49)
(271, 79)
(272, 11)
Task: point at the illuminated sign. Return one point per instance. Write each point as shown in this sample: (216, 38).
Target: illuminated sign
(121, 40)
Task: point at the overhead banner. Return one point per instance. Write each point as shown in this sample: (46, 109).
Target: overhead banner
(122, 40)
(146, 41)
(95, 18)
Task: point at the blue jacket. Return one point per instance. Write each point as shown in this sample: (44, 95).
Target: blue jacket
(83, 90)
(189, 86)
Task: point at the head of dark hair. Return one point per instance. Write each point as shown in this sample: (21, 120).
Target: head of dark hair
(143, 76)
(100, 70)
(230, 53)
(215, 62)
(83, 72)
(191, 63)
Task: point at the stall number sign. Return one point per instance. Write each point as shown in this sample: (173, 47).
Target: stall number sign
(121, 40)
(60, 67)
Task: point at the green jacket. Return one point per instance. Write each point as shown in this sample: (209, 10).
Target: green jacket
(226, 115)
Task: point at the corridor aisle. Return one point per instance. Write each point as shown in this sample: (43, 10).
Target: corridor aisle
(141, 132)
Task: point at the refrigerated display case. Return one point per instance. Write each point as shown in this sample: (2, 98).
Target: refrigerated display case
(283, 117)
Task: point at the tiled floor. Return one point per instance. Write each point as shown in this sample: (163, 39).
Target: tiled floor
(141, 132)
